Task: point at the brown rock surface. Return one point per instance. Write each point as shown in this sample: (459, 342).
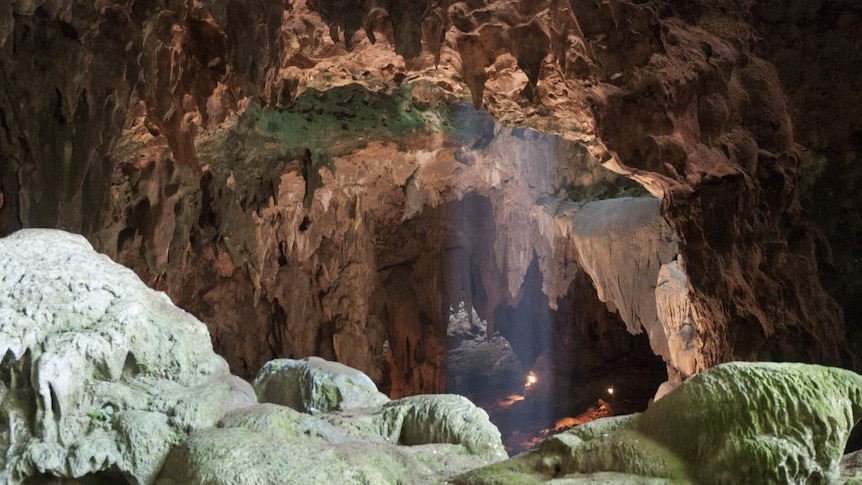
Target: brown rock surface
(814, 47)
(311, 177)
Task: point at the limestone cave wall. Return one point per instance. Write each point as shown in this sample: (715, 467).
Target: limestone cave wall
(813, 48)
(330, 177)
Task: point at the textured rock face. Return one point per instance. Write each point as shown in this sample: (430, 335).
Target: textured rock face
(104, 380)
(479, 364)
(100, 373)
(312, 177)
(718, 427)
(315, 386)
(626, 248)
(417, 439)
(678, 318)
(826, 109)
(622, 243)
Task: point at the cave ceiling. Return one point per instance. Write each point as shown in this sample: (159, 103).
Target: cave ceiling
(330, 177)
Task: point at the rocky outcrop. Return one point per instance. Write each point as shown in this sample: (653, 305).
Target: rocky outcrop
(420, 439)
(335, 427)
(363, 265)
(479, 364)
(627, 249)
(315, 386)
(717, 427)
(818, 71)
(329, 178)
(100, 374)
(105, 380)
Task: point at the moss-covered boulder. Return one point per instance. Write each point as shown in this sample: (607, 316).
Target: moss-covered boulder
(424, 439)
(233, 456)
(736, 423)
(314, 385)
(99, 373)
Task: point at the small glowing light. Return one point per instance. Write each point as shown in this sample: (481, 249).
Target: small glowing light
(532, 379)
(611, 391)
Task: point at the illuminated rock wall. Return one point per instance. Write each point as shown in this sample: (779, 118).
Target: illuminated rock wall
(315, 178)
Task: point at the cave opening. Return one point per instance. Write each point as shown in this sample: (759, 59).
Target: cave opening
(536, 368)
(542, 371)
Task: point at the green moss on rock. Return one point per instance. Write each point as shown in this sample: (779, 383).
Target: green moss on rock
(767, 422)
(735, 423)
(274, 444)
(343, 118)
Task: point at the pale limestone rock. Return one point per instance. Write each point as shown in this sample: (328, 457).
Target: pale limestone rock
(232, 456)
(622, 244)
(99, 371)
(678, 318)
(314, 385)
(274, 418)
(347, 399)
(442, 418)
(665, 388)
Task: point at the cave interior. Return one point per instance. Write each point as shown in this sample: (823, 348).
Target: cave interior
(560, 209)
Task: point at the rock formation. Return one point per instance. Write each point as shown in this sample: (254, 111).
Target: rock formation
(318, 177)
(479, 364)
(718, 427)
(679, 318)
(104, 379)
(315, 386)
(100, 374)
(622, 243)
(811, 46)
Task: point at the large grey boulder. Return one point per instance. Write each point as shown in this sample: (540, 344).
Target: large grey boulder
(99, 372)
(273, 444)
(314, 385)
(733, 423)
(442, 418)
